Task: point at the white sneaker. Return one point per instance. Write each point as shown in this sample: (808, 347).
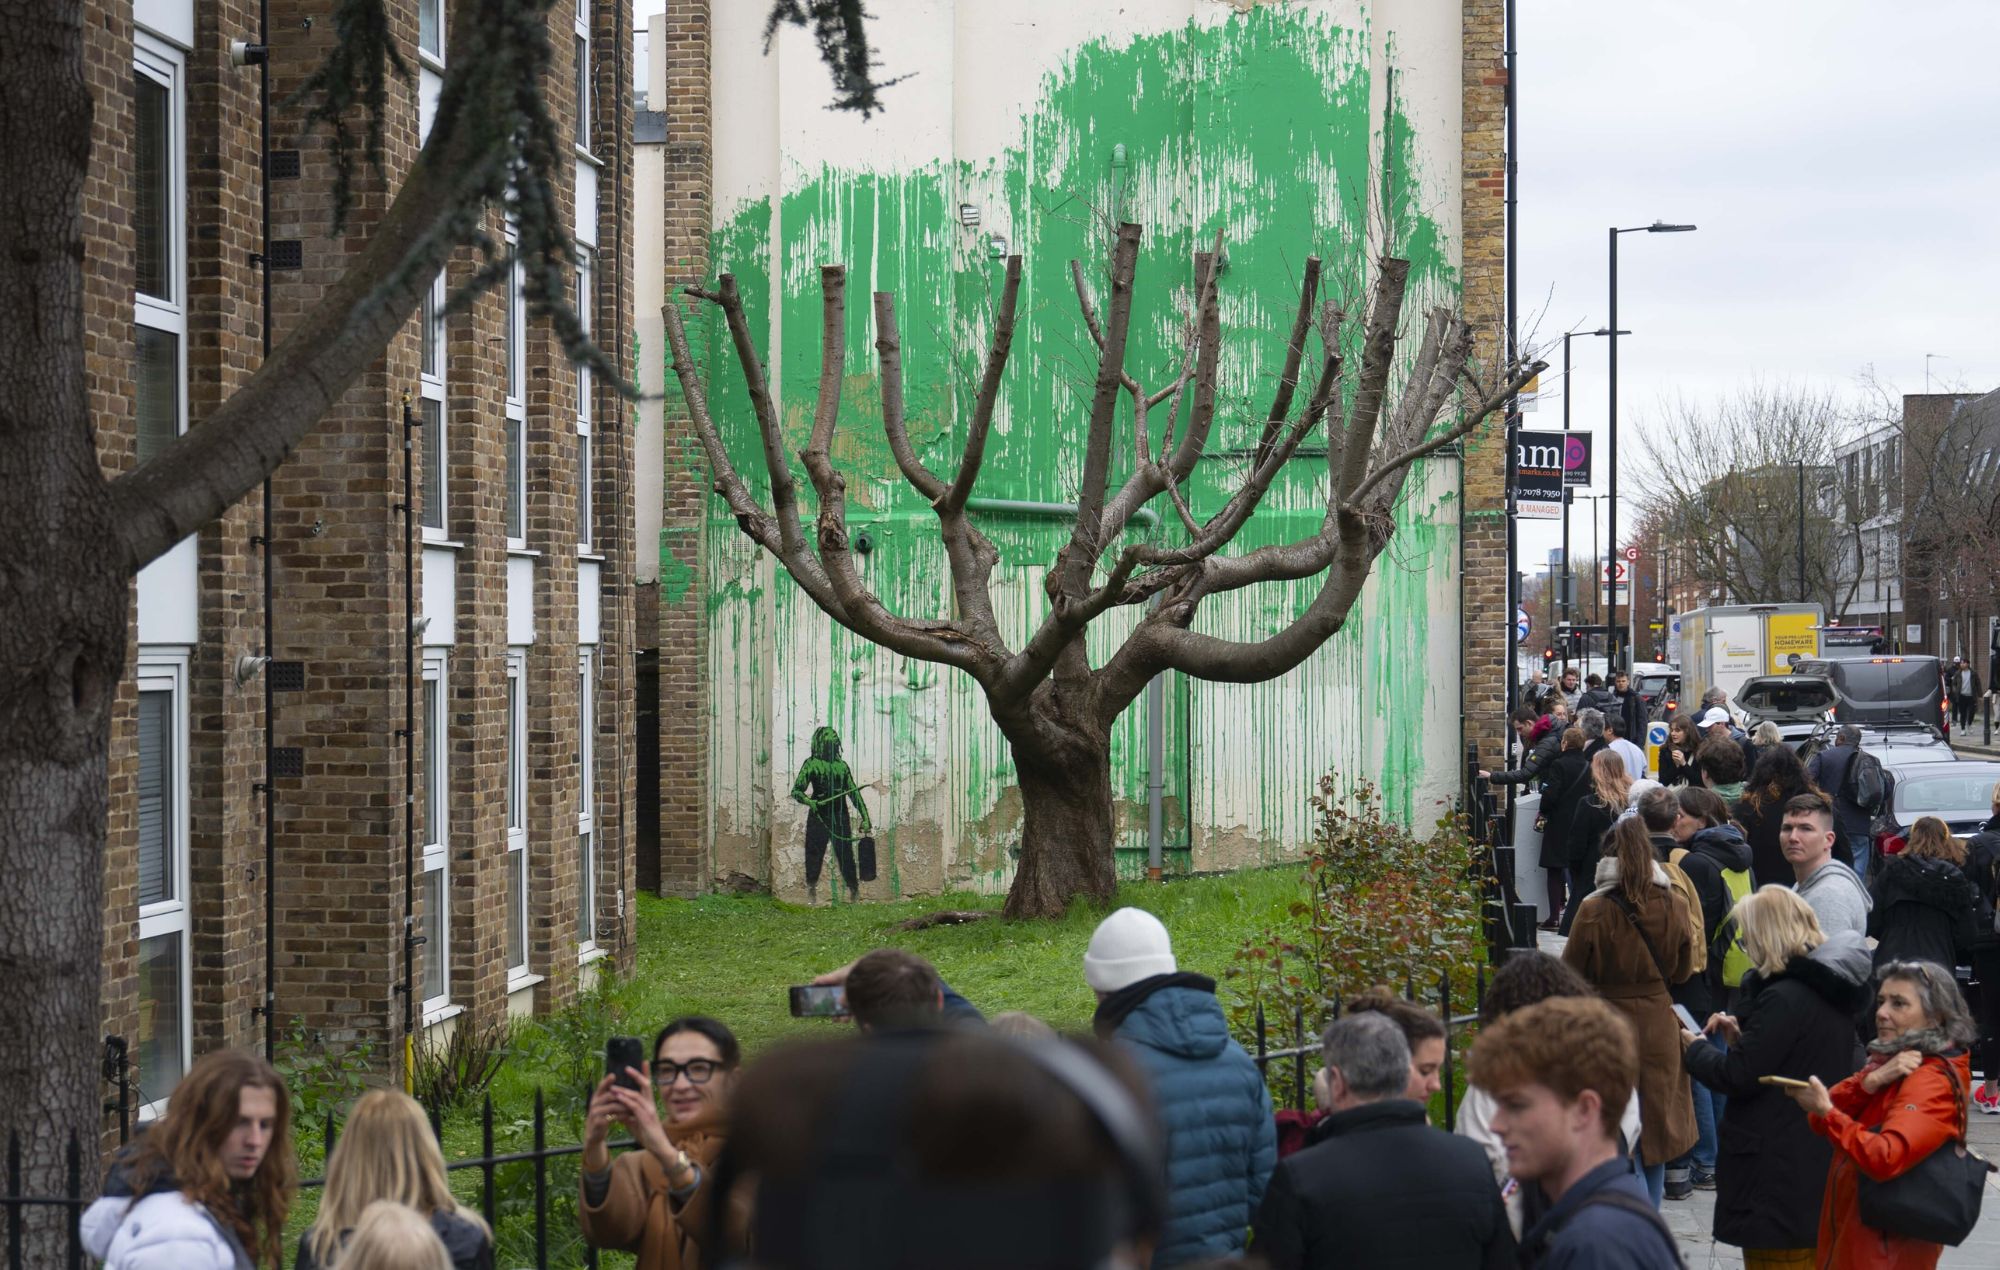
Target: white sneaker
(1986, 1100)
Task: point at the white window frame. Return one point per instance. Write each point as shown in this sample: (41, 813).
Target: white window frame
(516, 784)
(431, 387)
(586, 814)
(166, 670)
(515, 373)
(430, 69)
(584, 97)
(166, 65)
(437, 828)
(434, 56)
(586, 474)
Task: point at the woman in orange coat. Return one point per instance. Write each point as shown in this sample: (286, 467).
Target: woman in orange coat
(1913, 1090)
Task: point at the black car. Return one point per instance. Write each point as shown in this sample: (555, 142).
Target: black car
(1960, 794)
(1883, 691)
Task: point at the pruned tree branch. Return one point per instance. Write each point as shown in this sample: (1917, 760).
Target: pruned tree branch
(989, 393)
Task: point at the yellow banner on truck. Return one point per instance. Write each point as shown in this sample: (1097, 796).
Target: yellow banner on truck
(1793, 637)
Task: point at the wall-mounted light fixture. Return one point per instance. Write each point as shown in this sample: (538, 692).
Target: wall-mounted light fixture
(996, 246)
(968, 216)
(247, 666)
(418, 627)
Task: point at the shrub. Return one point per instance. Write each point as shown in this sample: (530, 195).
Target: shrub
(1378, 905)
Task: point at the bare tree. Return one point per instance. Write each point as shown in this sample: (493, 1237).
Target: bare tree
(1722, 487)
(1054, 707)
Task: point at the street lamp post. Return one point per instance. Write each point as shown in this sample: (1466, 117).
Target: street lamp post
(1568, 591)
(1611, 425)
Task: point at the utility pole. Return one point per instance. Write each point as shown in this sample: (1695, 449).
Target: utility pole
(1802, 531)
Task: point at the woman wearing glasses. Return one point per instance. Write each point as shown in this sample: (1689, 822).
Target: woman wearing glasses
(653, 1201)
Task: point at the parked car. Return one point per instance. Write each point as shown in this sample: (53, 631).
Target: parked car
(1898, 747)
(1960, 794)
(1658, 685)
(1800, 705)
(1883, 691)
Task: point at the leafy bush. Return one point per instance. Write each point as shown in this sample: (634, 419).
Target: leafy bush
(325, 1078)
(449, 1075)
(1378, 905)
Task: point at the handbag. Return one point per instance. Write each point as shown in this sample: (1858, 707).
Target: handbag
(1938, 1200)
(864, 858)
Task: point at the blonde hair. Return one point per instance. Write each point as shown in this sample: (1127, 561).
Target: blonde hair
(1766, 734)
(1610, 780)
(390, 1236)
(386, 1151)
(1931, 839)
(1775, 925)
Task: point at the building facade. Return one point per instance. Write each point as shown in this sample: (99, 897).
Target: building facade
(1296, 129)
(511, 539)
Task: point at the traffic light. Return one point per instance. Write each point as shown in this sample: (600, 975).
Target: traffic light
(1548, 656)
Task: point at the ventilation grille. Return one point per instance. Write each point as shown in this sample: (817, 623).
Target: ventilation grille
(288, 253)
(287, 676)
(288, 762)
(284, 165)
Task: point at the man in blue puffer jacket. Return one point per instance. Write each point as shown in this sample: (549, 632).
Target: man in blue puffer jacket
(1221, 1141)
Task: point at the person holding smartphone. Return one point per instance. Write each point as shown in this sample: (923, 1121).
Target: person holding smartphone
(652, 1201)
(1794, 1021)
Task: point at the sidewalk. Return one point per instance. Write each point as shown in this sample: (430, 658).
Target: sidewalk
(1693, 1219)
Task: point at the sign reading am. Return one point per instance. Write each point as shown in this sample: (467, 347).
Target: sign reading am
(1538, 475)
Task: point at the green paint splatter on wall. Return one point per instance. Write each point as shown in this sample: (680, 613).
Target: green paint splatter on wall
(1259, 125)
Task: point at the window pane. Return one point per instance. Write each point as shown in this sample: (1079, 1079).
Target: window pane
(431, 323)
(158, 391)
(156, 797)
(162, 1041)
(514, 820)
(153, 188)
(433, 497)
(517, 910)
(434, 777)
(430, 26)
(437, 939)
(583, 92)
(516, 495)
(583, 477)
(586, 908)
(514, 332)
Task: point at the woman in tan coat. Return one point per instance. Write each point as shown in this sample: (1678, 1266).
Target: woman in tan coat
(653, 1201)
(1632, 940)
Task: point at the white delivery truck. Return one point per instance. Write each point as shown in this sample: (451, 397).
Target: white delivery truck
(1725, 644)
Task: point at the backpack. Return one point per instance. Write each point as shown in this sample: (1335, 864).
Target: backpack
(1684, 884)
(1862, 782)
(1735, 961)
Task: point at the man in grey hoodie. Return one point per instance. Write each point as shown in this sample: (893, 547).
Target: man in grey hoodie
(1832, 889)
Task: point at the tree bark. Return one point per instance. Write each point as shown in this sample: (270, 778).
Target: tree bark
(1063, 762)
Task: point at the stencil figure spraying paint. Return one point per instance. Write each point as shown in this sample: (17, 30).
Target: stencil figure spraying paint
(826, 785)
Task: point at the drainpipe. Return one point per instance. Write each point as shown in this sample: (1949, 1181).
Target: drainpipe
(1145, 517)
(1156, 769)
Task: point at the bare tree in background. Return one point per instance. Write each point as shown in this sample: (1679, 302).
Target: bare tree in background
(1721, 485)
(1055, 708)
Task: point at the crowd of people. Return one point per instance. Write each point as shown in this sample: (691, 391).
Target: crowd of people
(929, 1135)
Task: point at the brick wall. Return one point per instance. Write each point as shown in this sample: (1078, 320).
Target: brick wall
(1483, 536)
(682, 624)
(338, 546)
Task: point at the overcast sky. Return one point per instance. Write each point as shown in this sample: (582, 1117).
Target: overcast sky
(1841, 158)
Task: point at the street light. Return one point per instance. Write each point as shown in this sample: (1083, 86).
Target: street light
(1611, 427)
(1569, 598)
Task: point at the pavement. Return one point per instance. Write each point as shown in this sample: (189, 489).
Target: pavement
(1693, 1219)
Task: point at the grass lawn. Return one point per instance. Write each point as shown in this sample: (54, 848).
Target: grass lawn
(734, 957)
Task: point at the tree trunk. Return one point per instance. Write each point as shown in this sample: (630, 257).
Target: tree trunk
(1064, 767)
(63, 587)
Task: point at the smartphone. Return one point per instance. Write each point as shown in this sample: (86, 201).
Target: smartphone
(1687, 1020)
(1785, 1082)
(621, 1052)
(819, 1001)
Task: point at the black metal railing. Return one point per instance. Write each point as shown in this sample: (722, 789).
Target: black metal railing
(1306, 1045)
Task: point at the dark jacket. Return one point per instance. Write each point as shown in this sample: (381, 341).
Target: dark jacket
(1767, 858)
(471, 1248)
(1632, 708)
(1600, 699)
(1982, 866)
(1924, 911)
(1585, 835)
(1582, 1232)
(1828, 770)
(1707, 854)
(1544, 743)
(1221, 1143)
(1378, 1187)
(1672, 773)
(1770, 1166)
(1563, 790)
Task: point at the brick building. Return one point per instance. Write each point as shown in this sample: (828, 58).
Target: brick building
(743, 169)
(520, 566)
